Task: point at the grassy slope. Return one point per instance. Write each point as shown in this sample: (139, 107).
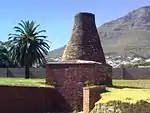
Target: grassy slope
(128, 91)
(23, 82)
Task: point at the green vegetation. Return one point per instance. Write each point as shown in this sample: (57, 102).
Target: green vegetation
(28, 46)
(23, 82)
(5, 56)
(143, 63)
(127, 91)
(132, 83)
(127, 96)
(122, 107)
(24, 48)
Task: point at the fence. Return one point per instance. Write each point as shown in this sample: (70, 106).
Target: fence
(19, 72)
(118, 73)
(131, 73)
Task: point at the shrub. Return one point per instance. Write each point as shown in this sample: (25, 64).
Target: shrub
(122, 107)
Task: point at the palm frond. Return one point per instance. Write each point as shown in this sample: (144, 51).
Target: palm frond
(27, 45)
(38, 32)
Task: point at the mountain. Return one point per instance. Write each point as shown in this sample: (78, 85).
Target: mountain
(127, 35)
(55, 54)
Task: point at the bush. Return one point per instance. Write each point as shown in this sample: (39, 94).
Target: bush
(122, 107)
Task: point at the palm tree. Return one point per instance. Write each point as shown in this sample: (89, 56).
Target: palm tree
(28, 46)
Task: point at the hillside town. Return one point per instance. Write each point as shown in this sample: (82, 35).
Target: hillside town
(117, 61)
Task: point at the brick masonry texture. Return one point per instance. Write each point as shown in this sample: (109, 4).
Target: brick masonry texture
(84, 43)
(19, 99)
(90, 96)
(69, 79)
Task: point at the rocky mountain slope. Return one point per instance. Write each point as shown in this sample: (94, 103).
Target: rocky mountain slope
(127, 35)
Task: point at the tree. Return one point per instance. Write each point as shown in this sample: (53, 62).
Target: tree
(28, 45)
(4, 55)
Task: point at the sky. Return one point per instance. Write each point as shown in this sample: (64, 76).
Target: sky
(57, 16)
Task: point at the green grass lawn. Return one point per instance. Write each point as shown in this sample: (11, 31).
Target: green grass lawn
(132, 83)
(127, 91)
(23, 82)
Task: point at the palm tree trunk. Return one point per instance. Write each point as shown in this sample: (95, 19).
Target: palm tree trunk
(27, 70)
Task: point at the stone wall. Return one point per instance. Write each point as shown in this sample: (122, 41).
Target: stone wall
(69, 78)
(20, 72)
(90, 96)
(141, 106)
(19, 99)
(130, 73)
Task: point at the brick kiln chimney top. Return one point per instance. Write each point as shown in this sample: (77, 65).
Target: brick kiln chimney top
(85, 13)
(85, 42)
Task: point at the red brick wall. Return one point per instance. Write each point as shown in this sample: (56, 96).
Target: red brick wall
(18, 99)
(70, 78)
(90, 96)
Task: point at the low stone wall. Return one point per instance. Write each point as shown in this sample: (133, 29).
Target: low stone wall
(3, 72)
(20, 72)
(130, 73)
(19, 99)
(140, 106)
(90, 96)
(69, 79)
